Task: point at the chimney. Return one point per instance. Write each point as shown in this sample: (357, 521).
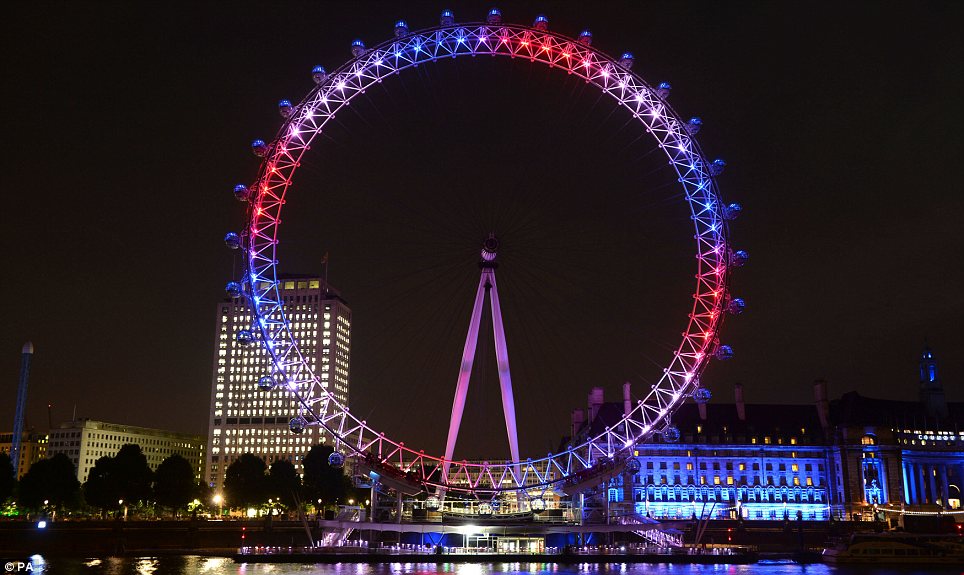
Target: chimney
(578, 418)
(740, 406)
(823, 406)
(595, 402)
(627, 398)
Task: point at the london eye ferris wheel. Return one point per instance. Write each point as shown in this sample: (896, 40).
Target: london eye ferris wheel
(408, 469)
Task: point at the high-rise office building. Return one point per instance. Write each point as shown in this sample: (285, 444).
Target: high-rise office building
(246, 419)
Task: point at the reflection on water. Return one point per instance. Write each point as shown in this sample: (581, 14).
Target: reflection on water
(191, 565)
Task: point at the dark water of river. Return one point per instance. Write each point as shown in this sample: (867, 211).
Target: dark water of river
(191, 565)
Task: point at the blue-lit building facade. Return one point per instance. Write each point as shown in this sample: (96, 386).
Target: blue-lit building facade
(901, 456)
(853, 458)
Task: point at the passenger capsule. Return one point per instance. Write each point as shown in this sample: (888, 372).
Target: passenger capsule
(626, 60)
(671, 434)
(702, 395)
(585, 37)
(633, 466)
(319, 74)
(446, 18)
(723, 353)
(358, 48)
(232, 240)
(732, 211)
(717, 167)
(233, 289)
(541, 23)
(266, 382)
(694, 125)
(537, 504)
(432, 503)
(242, 193)
(663, 90)
(736, 306)
(297, 424)
(245, 337)
(739, 258)
(401, 28)
(336, 460)
(259, 148)
(494, 17)
(285, 108)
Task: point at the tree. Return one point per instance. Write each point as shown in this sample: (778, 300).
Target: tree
(8, 477)
(322, 481)
(134, 476)
(174, 485)
(102, 488)
(245, 483)
(53, 480)
(284, 483)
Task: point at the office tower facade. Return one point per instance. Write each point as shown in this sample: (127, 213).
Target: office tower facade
(84, 441)
(33, 448)
(246, 419)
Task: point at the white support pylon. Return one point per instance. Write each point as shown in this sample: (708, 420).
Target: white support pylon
(487, 285)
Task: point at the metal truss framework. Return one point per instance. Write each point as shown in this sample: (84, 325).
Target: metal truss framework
(307, 120)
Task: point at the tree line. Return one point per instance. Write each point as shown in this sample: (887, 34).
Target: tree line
(125, 480)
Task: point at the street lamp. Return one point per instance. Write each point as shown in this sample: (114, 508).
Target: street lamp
(218, 500)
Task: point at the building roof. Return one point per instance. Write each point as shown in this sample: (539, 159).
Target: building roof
(722, 419)
(855, 409)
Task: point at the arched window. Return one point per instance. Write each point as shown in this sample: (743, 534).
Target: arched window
(868, 440)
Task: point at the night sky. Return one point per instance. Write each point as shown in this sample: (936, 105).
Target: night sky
(126, 125)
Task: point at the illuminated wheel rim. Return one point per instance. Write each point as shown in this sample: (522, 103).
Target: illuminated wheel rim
(674, 136)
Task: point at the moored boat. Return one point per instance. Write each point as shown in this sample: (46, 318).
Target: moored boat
(897, 549)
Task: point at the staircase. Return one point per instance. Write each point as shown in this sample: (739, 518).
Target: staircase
(337, 537)
(653, 534)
